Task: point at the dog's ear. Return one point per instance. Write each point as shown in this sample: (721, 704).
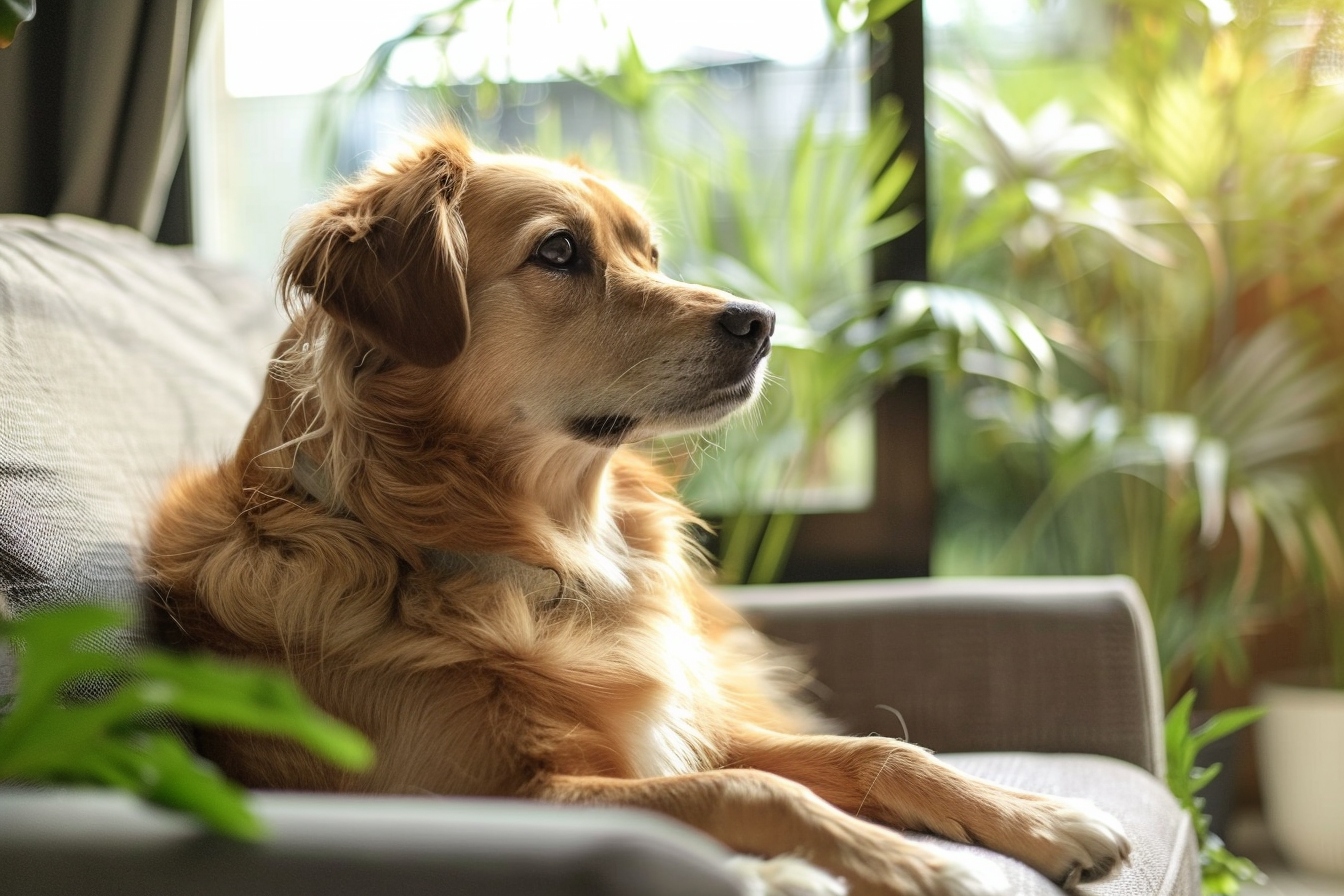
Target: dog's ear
(387, 255)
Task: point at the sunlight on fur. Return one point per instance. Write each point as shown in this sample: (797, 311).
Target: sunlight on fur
(436, 521)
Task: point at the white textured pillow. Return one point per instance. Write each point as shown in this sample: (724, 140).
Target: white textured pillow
(120, 361)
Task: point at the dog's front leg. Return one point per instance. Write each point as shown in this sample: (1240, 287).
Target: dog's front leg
(762, 814)
(900, 784)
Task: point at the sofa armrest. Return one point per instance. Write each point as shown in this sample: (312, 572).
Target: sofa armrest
(1054, 665)
(98, 842)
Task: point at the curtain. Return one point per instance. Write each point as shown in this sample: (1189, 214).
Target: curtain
(92, 108)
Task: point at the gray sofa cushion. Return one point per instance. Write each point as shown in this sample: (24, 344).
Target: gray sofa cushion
(1050, 665)
(120, 361)
(1164, 861)
(83, 842)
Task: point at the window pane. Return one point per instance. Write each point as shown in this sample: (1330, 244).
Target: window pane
(743, 86)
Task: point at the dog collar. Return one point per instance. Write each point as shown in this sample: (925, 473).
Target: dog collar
(532, 580)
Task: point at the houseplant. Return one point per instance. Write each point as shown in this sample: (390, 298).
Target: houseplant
(1222, 872)
(1301, 741)
(1195, 409)
(86, 715)
(1181, 245)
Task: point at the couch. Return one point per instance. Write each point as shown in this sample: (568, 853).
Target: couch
(121, 360)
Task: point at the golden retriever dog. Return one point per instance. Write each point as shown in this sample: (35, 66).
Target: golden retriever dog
(435, 522)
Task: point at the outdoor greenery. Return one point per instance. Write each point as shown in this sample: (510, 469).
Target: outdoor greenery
(791, 225)
(794, 230)
(1166, 203)
(121, 740)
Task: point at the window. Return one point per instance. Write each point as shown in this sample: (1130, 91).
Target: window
(774, 75)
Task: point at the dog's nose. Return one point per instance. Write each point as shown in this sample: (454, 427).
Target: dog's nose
(748, 321)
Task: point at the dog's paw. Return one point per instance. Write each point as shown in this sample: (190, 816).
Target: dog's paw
(1088, 844)
(970, 875)
(784, 876)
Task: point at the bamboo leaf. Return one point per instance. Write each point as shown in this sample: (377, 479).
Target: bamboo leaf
(1250, 535)
(1282, 519)
(883, 231)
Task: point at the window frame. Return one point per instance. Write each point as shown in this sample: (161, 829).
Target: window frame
(893, 536)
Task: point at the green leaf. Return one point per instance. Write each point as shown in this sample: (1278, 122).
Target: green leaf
(833, 9)
(881, 232)
(14, 13)
(1222, 873)
(889, 186)
(1227, 722)
(209, 692)
(49, 655)
(111, 741)
(188, 783)
(881, 10)
(1177, 731)
(1202, 777)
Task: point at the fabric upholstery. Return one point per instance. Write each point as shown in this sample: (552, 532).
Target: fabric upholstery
(320, 845)
(1021, 664)
(120, 361)
(1165, 859)
(76, 842)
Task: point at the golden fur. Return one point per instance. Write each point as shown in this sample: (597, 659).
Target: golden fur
(460, 392)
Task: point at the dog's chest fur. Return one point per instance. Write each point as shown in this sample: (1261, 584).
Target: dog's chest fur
(642, 636)
(666, 736)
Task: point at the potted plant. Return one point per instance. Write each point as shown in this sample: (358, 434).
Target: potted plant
(1301, 742)
(1180, 245)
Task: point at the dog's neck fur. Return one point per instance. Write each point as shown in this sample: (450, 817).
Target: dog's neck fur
(543, 581)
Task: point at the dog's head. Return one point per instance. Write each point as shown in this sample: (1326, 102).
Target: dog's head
(532, 286)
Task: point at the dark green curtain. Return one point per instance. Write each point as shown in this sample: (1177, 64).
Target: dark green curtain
(92, 109)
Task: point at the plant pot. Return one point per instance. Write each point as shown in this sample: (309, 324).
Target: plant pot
(1301, 742)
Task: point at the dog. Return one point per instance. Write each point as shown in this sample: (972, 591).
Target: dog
(436, 523)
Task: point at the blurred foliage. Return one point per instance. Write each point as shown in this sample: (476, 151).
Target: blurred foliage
(1222, 873)
(120, 740)
(14, 13)
(791, 225)
(1173, 227)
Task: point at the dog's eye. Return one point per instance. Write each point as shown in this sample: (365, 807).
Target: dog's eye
(558, 250)
(653, 256)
